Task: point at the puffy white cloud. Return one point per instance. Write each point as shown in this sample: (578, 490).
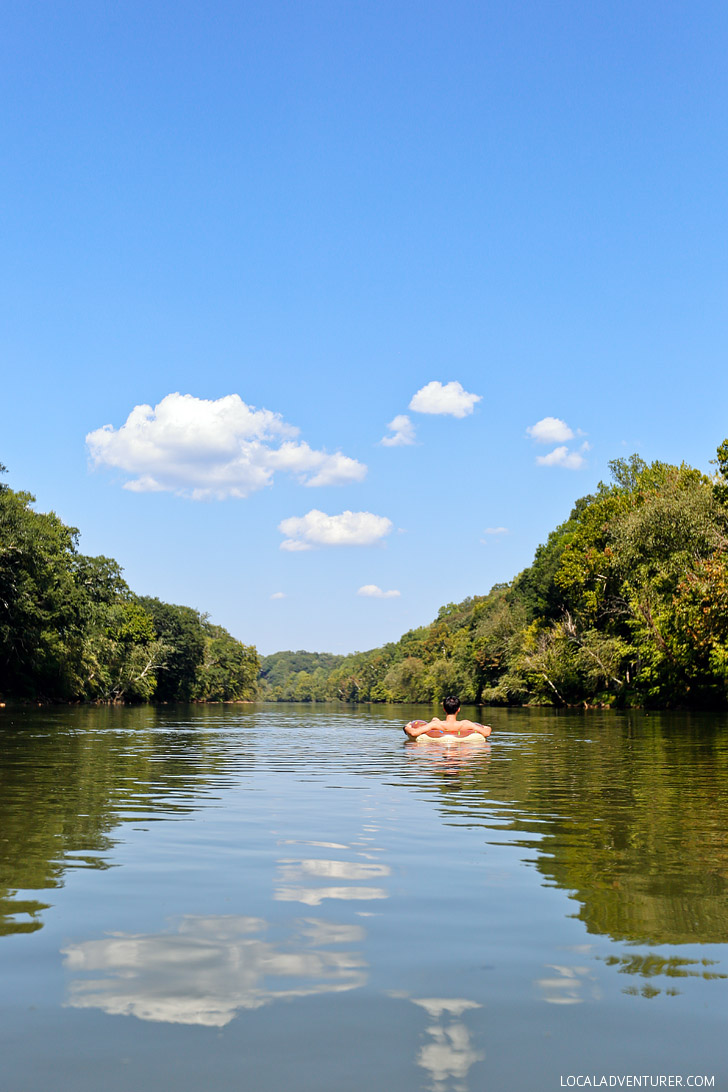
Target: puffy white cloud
(448, 398)
(550, 430)
(278, 595)
(212, 448)
(347, 529)
(372, 591)
(561, 456)
(403, 432)
(299, 458)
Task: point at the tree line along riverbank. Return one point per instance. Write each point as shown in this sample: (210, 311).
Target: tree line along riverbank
(71, 629)
(626, 603)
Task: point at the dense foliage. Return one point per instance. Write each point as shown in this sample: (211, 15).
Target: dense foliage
(297, 676)
(71, 629)
(625, 604)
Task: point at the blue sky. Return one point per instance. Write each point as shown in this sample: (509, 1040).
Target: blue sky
(320, 209)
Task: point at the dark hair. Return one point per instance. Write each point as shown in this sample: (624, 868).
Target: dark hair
(451, 704)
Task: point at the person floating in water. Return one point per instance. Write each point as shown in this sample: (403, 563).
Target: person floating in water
(450, 726)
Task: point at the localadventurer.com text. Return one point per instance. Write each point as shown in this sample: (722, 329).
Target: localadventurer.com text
(633, 1080)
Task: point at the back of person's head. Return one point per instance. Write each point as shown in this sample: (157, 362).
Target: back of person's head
(451, 704)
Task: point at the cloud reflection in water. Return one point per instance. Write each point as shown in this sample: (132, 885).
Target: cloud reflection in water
(568, 986)
(211, 968)
(449, 1054)
(292, 872)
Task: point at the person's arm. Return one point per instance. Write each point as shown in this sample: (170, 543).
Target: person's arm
(483, 729)
(413, 729)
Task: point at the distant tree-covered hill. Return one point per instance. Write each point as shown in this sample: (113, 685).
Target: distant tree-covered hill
(281, 670)
(625, 603)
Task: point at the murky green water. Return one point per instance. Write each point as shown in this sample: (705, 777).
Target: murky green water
(287, 897)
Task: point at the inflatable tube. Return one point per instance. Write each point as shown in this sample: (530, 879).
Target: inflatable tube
(462, 735)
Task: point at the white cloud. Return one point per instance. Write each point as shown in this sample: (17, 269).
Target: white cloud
(219, 448)
(550, 430)
(403, 432)
(372, 591)
(561, 456)
(299, 458)
(450, 398)
(347, 529)
(278, 595)
(495, 531)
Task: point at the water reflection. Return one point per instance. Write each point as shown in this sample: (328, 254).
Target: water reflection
(314, 896)
(628, 813)
(649, 966)
(449, 1054)
(291, 871)
(626, 816)
(448, 758)
(70, 776)
(567, 985)
(211, 968)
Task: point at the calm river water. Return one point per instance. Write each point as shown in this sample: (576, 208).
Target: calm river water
(255, 898)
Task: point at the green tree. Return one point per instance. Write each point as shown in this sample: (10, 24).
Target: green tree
(408, 681)
(182, 630)
(229, 669)
(721, 484)
(125, 656)
(40, 616)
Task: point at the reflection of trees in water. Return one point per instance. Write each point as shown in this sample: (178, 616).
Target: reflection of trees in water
(629, 814)
(70, 777)
(20, 915)
(651, 965)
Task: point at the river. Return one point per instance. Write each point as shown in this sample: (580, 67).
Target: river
(259, 897)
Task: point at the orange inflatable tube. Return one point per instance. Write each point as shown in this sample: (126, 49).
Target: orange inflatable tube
(460, 735)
